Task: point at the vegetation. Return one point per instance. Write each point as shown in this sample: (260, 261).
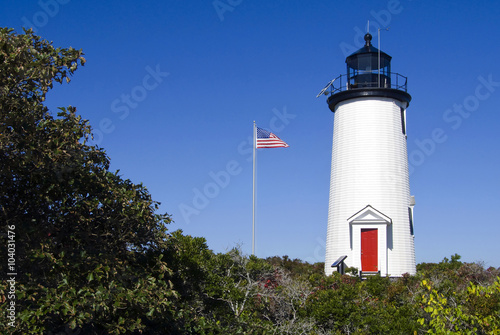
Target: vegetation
(92, 256)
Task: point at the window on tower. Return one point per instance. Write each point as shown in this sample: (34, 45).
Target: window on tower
(410, 216)
(403, 120)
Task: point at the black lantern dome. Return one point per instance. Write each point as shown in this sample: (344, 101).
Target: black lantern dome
(368, 67)
(368, 75)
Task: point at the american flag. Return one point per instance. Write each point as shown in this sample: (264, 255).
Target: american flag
(266, 139)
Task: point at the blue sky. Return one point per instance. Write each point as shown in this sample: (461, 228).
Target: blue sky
(172, 88)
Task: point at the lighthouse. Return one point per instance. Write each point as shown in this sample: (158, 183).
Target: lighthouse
(370, 214)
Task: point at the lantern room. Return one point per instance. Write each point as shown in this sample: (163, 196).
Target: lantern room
(368, 67)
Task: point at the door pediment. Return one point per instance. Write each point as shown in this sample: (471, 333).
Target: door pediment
(369, 215)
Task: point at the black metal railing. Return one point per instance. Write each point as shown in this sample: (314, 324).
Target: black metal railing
(367, 80)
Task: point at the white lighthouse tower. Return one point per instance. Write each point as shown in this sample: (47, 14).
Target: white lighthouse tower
(370, 217)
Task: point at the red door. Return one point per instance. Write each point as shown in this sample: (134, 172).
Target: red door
(369, 247)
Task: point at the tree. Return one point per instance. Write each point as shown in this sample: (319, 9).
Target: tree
(87, 242)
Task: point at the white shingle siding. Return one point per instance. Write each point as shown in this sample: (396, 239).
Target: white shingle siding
(370, 167)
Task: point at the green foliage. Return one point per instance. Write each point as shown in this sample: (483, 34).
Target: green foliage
(377, 286)
(88, 241)
(444, 266)
(334, 304)
(351, 270)
(296, 267)
(474, 311)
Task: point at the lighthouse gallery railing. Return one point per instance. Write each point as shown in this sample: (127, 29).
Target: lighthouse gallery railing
(368, 80)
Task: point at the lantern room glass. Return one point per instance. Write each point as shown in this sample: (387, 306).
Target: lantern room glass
(363, 68)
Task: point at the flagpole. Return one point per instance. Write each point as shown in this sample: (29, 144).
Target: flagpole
(253, 199)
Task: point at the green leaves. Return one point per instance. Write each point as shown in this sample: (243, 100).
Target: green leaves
(90, 277)
(90, 238)
(33, 64)
(460, 313)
